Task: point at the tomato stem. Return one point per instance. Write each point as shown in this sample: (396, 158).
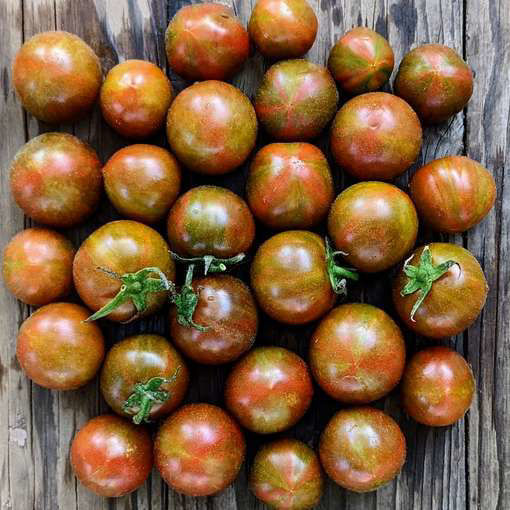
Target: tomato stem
(338, 275)
(211, 263)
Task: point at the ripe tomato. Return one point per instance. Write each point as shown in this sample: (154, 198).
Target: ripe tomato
(286, 474)
(56, 76)
(440, 290)
(199, 450)
(290, 185)
(37, 266)
(374, 223)
(357, 353)
(269, 390)
(56, 179)
(453, 194)
(57, 349)
(111, 456)
(362, 449)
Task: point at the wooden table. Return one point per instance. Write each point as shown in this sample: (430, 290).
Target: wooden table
(464, 466)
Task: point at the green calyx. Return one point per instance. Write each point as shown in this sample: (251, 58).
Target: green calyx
(211, 263)
(338, 275)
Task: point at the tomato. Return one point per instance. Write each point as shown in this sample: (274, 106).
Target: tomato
(135, 97)
(283, 29)
(269, 390)
(374, 223)
(199, 450)
(296, 100)
(126, 264)
(56, 76)
(440, 290)
(286, 474)
(37, 266)
(357, 353)
(435, 81)
(211, 127)
(206, 42)
(57, 349)
(453, 194)
(111, 457)
(362, 449)
(56, 179)
(290, 185)
(376, 136)
(361, 61)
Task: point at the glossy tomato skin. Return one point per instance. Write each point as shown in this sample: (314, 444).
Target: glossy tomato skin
(227, 309)
(290, 186)
(374, 223)
(111, 456)
(286, 474)
(438, 387)
(362, 448)
(57, 349)
(453, 194)
(57, 76)
(199, 450)
(361, 61)
(121, 246)
(142, 181)
(37, 266)
(135, 97)
(296, 100)
(435, 81)
(56, 179)
(283, 28)
(269, 390)
(376, 136)
(455, 300)
(357, 353)
(211, 127)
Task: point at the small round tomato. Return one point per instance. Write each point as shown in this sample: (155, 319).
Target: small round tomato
(440, 290)
(290, 186)
(57, 349)
(135, 97)
(111, 457)
(199, 450)
(453, 194)
(357, 353)
(296, 100)
(269, 390)
(362, 449)
(283, 28)
(435, 81)
(286, 474)
(361, 61)
(211, 127)
(126, 264)
(56, 179)
(376, 136)
(56, 76)
(437, 387)
(37, 266)
(374, 223)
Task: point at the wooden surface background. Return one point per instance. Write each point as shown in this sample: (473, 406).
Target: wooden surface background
(464, 466)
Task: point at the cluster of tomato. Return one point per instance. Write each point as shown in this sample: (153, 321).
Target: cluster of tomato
(126, 270)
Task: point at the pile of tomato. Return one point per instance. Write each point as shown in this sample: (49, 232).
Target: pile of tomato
(126, 269)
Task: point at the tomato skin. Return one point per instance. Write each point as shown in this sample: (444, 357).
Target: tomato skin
(453, 194)
(111, 456)
(362, 449)
(57, 350)
(269, 390)
(37, 266)
(199, 450)
(286, 474)
(56, 179)
(56, 76)
(455, 300)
